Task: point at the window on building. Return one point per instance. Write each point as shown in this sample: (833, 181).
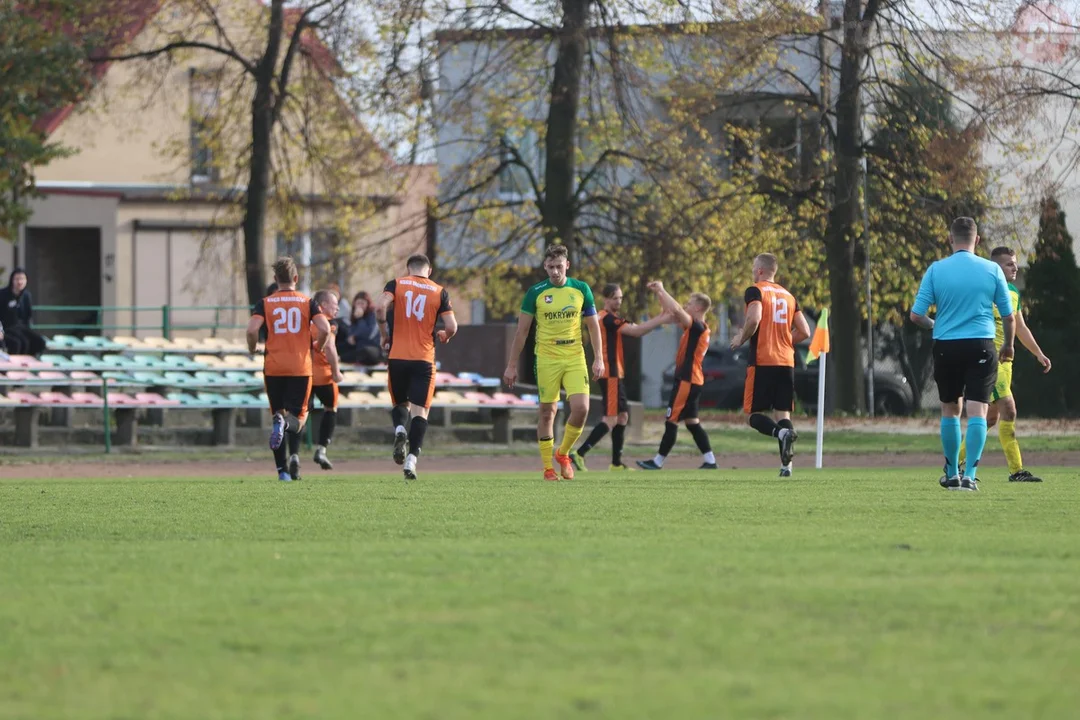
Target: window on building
(737, 145)
(743, 143)
(514, 177)
(205, 96)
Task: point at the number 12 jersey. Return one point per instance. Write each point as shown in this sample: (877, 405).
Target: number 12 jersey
(418, 304)
(771, 344)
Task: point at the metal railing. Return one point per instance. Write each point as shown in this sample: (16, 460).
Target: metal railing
(166, 325)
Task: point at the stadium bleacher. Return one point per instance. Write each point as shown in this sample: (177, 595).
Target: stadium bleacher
(123, 375)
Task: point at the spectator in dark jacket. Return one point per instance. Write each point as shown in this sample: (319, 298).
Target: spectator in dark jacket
(360, 343)
(16, 315)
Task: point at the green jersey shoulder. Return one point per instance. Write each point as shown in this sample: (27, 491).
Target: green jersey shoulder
(558, 311)
(543, 295)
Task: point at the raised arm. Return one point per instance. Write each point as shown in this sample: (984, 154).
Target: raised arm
(669, 304)
(525, 321)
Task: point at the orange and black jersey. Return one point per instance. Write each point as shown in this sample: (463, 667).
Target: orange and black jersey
(691, 353)
(771, 343)
(418, 304)
(287, 315)
(321, 374)
(610, 323)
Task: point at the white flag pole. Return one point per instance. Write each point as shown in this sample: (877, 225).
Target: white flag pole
(820, 409)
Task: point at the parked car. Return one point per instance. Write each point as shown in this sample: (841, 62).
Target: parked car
(725, 374)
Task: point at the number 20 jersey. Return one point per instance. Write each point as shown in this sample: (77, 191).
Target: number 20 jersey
(288, 317)
(418, 304)
(771, 344)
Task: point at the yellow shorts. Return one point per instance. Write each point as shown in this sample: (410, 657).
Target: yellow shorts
(1003, 386)
(553, 374)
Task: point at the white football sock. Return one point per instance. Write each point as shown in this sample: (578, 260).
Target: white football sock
(709, 457)
(659, 460)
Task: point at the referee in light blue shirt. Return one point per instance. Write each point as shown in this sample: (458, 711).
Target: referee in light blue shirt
(964, 288)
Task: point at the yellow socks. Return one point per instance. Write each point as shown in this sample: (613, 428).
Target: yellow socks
(570, 436)
(546, 444)
(1007, 436)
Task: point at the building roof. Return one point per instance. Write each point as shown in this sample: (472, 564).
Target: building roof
(121, 21)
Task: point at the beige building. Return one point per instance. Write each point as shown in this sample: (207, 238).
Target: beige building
(139, 218)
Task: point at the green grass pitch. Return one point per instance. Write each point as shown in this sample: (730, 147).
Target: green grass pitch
(837, 594)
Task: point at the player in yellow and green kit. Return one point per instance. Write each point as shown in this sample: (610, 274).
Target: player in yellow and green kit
(558, 305)
(1002, 403)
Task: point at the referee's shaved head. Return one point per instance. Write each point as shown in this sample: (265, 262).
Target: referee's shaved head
(964, 228)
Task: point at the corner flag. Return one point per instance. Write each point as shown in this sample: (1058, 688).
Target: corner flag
(820, 342)
(819, 347)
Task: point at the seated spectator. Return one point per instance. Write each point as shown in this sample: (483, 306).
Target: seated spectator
(16, 315)
(360, 343)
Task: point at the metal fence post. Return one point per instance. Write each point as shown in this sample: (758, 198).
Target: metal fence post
(166, 323)
(105, 410)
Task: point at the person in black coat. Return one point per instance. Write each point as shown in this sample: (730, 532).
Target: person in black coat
(16, 316)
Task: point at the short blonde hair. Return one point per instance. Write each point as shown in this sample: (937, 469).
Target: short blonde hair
(768, 262)
(285, 270)
(702, 300)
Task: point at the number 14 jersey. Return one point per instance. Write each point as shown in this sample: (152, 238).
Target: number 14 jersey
(771, 344)
(418, 304)
(288, 317)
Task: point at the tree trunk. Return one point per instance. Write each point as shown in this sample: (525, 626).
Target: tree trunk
(844, 218)
(262, 127)
(558, 211)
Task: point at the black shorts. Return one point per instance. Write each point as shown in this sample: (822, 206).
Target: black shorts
(613, 392)
(769, 387)
(965, 368)
(411, 381)
(327, 394)
(683, 404)
(288, 394)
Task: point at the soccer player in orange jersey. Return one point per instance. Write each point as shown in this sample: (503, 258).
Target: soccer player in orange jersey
(289, 317)
(418, 304)
(325, 376)
(686, 390)
(774, 325)
(612, 387)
